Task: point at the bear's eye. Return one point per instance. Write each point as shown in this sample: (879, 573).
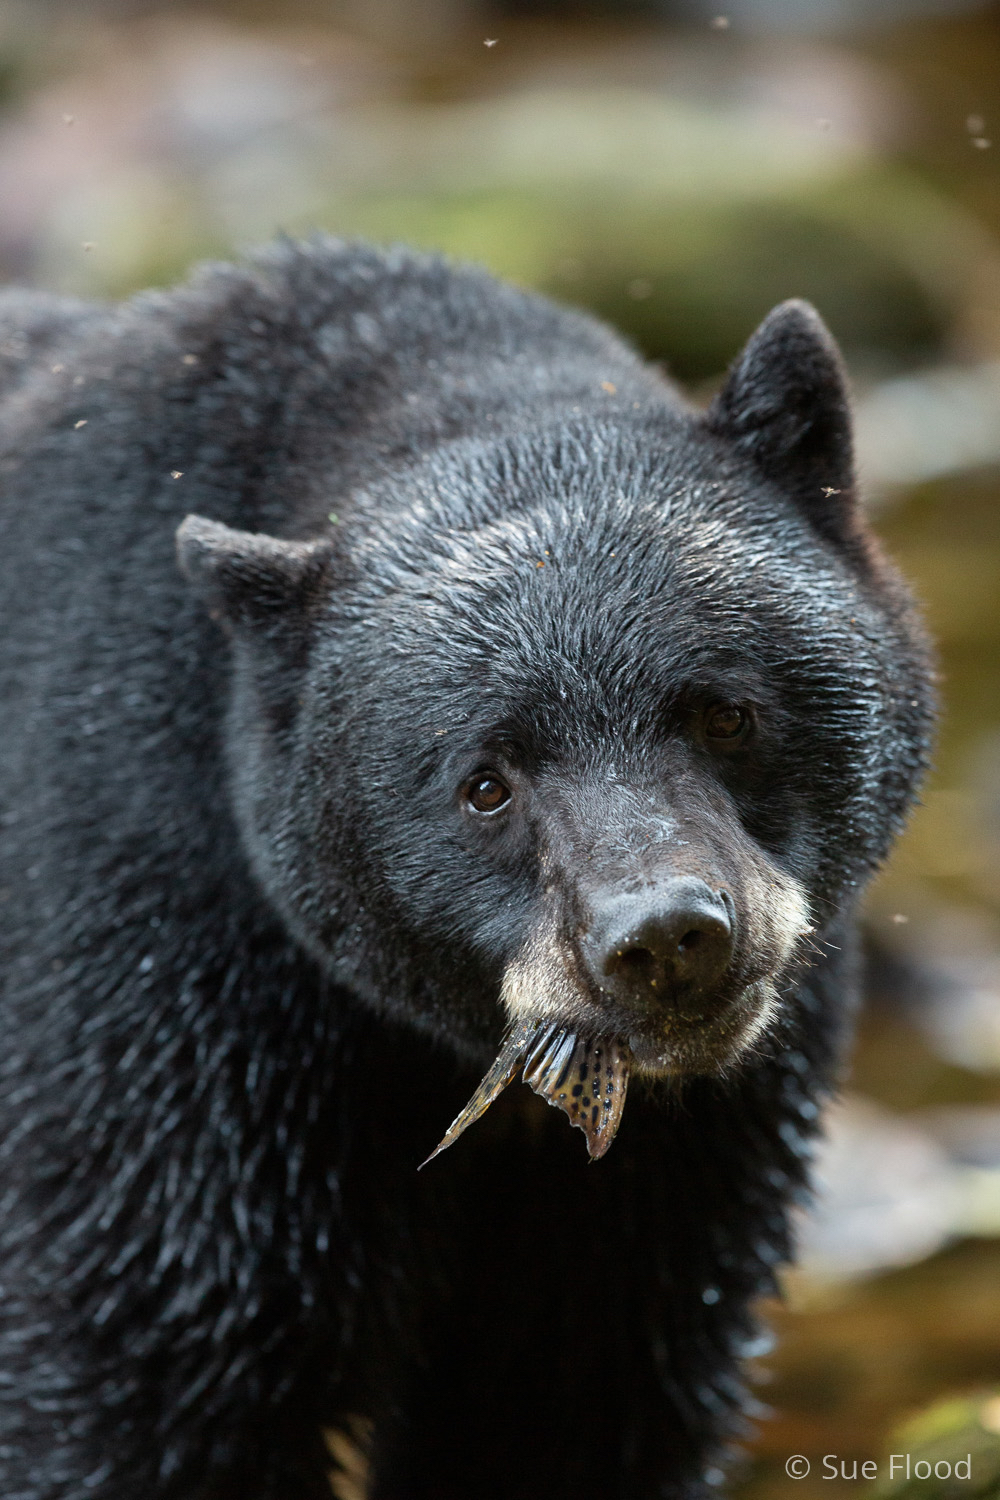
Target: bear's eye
(487, 794)
(726, 721)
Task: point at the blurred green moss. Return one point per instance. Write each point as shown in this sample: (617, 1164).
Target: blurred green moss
(959, 1432)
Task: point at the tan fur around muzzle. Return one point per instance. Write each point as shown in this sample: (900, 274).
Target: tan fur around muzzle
(587, 1078)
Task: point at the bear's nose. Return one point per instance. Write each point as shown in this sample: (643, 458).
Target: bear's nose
(679, 933)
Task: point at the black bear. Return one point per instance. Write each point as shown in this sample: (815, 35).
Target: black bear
(503, 710)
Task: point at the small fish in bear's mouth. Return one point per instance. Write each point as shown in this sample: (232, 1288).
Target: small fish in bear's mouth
(586, 1079)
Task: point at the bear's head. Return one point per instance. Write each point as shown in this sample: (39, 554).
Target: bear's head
(600, 723)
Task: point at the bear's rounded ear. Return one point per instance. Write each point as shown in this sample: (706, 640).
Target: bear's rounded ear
(248, 579)
(785, 406)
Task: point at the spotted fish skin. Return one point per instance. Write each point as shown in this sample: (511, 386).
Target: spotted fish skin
(586, 1079)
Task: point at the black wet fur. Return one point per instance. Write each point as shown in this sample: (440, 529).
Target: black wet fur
(252, 943)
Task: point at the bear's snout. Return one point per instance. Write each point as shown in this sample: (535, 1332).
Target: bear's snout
(650, 947)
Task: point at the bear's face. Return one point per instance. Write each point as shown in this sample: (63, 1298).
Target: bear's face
(599, 722)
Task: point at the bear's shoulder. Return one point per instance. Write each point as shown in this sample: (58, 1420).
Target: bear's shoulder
(34, 329)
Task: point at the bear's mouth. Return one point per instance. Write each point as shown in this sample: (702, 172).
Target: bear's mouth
(585, 1078)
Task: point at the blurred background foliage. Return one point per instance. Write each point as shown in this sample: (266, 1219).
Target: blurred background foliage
(678, 166)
